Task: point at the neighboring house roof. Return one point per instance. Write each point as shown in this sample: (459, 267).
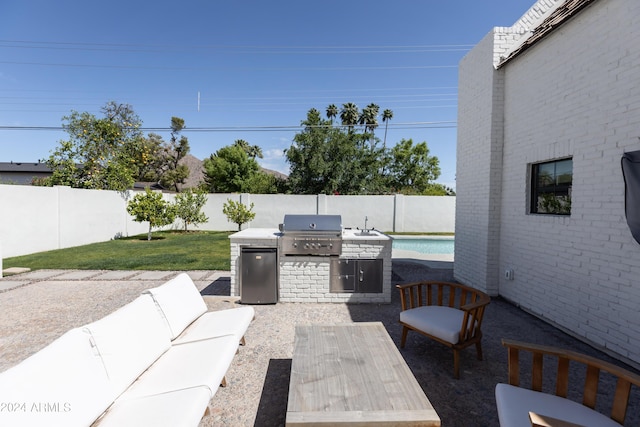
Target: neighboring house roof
(26, 167)
(22, 173)
(555, 19)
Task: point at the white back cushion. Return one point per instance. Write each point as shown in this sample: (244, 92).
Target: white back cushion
(179, 301)
(64, 384)
(130, 339)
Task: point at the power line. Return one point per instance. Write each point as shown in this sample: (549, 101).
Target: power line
(375, 89)
(297, 128)
(286, 49)
(150, 67)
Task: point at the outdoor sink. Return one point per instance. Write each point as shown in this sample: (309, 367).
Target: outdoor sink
(365, 233)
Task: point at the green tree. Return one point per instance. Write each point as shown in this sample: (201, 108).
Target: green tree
(411, 168)
(101, 153)
(263, 183)
(328, 160)
(436, 189)
(325, 159)
(229, 170)
(150, 160)
(152, 208)
(238, 213)
(188, 207)
(174, 173)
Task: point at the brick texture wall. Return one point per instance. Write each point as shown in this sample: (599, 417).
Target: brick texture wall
(479, 153)
(576, 93)
(306, 278)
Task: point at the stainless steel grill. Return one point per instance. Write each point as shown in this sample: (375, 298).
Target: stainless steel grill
(319, 235)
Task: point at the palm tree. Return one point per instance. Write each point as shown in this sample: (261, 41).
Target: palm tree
(332, 111)
(242, 144)
(255, 151)
(349, 115)
(386, 116)
(252, 151)
(369, 118)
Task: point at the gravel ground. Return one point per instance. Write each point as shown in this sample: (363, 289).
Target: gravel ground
(40, 306)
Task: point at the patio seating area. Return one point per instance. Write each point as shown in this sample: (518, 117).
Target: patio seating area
(40, 306)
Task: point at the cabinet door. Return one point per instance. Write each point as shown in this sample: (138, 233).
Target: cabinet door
(343, 275)
(369, 276)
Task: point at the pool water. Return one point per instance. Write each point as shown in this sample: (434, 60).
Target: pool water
(424, 245)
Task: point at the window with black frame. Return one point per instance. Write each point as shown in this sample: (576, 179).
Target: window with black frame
(551, 187)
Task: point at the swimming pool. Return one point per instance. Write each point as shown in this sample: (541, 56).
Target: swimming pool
(424, 245)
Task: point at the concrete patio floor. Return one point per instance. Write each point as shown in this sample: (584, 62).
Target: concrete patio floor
(39, 306)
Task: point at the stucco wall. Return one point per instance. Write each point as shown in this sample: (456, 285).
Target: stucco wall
(35, 219)
(575, 93)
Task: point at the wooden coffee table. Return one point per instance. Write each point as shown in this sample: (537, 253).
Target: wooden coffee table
(353, 374)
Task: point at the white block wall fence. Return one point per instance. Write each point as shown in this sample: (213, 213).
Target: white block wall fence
(36, 219)
(575, 93)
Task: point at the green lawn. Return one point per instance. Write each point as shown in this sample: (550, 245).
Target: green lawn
(202, 250)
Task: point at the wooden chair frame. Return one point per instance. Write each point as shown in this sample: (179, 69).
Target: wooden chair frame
(454, 295)
(625, 378)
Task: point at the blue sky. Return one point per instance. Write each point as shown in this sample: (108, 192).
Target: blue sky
(258, 67)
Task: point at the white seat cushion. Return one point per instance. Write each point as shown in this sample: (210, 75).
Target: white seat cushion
(514, 404)
(199, 363)
(213, 324)
(181, 408)
(180, 302)
(64, 384)
(441, 322)
(130, 339)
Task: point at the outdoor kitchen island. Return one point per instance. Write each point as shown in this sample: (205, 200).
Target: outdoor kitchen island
(358, 271)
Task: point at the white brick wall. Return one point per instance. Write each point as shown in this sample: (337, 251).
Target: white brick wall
(306, 278)
(478, 180)
(576, 93)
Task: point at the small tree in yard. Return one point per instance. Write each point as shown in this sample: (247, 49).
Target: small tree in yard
(151, 207)
(188, 205)
(238, 213)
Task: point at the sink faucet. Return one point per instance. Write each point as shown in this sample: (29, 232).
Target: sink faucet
(366, 218)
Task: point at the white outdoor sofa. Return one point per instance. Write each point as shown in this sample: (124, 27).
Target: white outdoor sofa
(157, 361)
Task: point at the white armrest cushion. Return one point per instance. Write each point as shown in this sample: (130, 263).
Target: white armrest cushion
(213, 324)
(130, 339)
(64, 384)
(180, 302)
(199, 363)
(514, 404)
(181, 408)
(441, 322)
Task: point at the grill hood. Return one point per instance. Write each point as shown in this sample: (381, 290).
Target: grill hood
(314, 224)
(318, 235)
